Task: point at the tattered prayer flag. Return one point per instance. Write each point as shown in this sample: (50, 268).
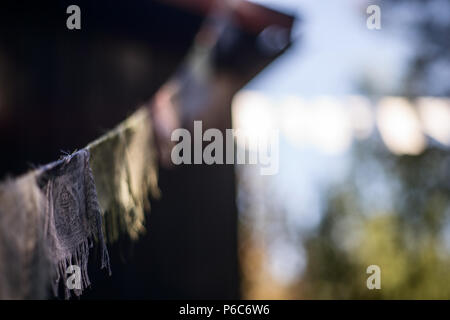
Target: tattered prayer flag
(51, 217)
(24, 267)
(125, 172)
(73, 218)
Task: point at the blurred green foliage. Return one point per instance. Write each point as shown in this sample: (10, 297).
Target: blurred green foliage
(408, 241)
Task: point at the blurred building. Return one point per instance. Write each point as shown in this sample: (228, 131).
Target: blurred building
(60, 89)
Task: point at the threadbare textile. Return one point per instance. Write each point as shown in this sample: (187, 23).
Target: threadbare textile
(24, 268)
(124, 167)
(50, 217)
(73, 218)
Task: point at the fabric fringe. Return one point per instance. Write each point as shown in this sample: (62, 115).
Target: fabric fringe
(73, 219)
(93, 205)
(79, 258)
(51, 217)
(125, 173)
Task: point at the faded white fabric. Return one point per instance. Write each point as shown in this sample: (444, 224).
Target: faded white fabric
(24, 267)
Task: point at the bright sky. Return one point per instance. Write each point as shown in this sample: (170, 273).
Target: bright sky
(336, 52)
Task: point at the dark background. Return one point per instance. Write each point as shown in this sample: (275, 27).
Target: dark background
(61, 89)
